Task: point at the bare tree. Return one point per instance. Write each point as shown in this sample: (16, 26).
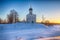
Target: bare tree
(47, 21)
(13, 17)
(0, 20)
(10, 18)
(43, 19)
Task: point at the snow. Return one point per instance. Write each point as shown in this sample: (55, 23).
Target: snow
(27, 31)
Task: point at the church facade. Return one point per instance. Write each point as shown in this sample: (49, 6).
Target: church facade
(31, 18)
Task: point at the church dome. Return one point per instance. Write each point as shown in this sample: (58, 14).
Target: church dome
(30, 9)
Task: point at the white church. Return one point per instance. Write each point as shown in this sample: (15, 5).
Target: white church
(31, 18)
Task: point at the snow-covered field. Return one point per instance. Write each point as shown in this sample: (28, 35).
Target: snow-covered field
(27, 31)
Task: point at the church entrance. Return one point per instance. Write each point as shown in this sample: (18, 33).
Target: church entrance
(32, 21)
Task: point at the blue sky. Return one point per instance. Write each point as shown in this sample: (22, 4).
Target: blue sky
(50, 9)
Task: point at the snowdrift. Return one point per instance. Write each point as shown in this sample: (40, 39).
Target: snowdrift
(27, 31)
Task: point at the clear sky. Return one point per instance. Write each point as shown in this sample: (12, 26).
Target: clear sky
(50, 9)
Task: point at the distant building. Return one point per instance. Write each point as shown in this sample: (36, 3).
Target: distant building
(31, 18)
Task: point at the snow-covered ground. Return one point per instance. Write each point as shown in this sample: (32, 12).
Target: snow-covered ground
(27, 31)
